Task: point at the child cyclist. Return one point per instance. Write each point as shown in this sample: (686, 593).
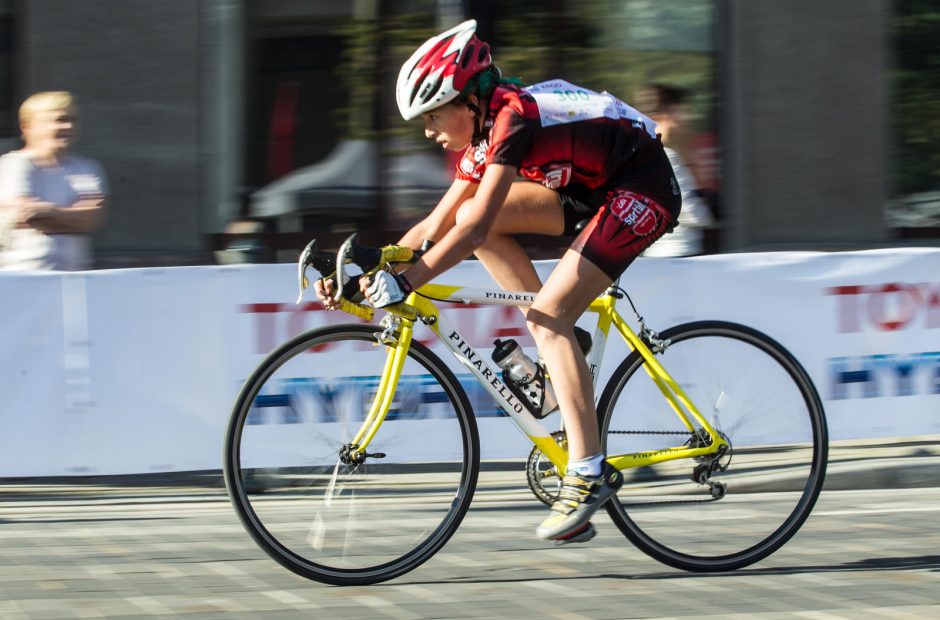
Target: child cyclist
(581, 155)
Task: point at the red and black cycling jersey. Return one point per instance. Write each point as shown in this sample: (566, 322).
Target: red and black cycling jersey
(584, 158)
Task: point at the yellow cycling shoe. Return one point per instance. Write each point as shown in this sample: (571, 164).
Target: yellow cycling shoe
(578, 499)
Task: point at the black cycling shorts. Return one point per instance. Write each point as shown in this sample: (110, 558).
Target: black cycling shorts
(624, 226)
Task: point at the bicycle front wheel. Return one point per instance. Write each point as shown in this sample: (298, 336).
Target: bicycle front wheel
(300, 498)
(746, 503)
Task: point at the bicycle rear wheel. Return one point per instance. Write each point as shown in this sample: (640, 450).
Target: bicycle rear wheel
(759, 397)
(346, 523)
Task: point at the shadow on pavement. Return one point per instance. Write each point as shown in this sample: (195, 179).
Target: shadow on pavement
(925, 562)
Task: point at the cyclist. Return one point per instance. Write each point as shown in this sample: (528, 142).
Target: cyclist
(581, 155)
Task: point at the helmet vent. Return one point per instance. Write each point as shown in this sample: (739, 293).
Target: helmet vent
(435, 54)
(430, 92)
(418, 83)
(467, 57)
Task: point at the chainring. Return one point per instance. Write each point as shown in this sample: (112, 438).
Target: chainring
(542, 475)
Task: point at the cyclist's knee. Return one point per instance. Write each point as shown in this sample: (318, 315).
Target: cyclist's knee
(545, 327)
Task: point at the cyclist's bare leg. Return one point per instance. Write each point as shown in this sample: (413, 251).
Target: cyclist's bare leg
(529, 209)
(571, 287)
(569, 290)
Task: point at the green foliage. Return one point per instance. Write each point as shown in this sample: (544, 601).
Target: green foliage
(595, 43)
(374, 52)
(359, 72)
(916, 105)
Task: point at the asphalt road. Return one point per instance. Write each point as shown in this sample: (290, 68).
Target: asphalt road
(92, 551)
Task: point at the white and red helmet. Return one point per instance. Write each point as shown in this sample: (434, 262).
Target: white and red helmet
(440, 69)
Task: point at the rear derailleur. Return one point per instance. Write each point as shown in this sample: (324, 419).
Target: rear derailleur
(710, 464)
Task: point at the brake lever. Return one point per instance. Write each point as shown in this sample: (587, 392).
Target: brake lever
(305, 261)
(341, 254)
(322, 262)
(369, 260)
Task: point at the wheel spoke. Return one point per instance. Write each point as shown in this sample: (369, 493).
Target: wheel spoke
(316, 512)
(738, 507)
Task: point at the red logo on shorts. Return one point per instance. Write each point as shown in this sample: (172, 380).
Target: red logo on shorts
(635, 214)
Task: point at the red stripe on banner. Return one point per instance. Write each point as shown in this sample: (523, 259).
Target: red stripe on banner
(260, 308)
(508, 331)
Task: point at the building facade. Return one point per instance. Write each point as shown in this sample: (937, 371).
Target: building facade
(204, 112)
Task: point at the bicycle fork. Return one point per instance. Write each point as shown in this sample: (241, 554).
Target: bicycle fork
(397, 339)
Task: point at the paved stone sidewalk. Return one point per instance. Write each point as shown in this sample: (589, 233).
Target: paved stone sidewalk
(168, 546)
(137, 552)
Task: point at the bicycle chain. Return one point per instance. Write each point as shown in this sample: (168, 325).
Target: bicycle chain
(663, 502)
(650, 433)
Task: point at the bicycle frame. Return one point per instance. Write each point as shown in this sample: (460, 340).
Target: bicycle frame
(326, 485)
(419, 306)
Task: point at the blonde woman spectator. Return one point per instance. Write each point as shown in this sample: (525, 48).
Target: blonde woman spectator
(50, 198)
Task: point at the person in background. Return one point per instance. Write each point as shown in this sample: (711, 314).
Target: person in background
(666, 105)
(50, 199)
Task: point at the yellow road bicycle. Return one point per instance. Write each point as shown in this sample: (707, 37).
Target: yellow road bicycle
(353, 450)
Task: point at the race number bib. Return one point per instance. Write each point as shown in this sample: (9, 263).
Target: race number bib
(561, 102)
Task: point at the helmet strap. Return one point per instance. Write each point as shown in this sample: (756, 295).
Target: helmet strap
(479, 119)
(482, 85)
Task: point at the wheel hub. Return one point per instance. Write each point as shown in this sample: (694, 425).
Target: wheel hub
(350, 454)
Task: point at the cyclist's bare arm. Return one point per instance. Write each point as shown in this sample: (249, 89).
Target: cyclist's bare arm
(458, 240)
(442, 218)
(433, 228)
(466, 236)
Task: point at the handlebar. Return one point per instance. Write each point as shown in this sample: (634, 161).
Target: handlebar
(330, 265)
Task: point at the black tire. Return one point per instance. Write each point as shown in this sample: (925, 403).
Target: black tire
(755, 393)
(347, 524)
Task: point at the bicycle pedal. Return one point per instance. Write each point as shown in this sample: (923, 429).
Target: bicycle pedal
(582, 535)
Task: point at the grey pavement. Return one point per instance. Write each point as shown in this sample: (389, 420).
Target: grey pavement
(878, 464)
(171, 546)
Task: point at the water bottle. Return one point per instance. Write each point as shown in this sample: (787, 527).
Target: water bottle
(525, 379)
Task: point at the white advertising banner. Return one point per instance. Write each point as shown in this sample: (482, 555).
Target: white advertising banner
(135, 371)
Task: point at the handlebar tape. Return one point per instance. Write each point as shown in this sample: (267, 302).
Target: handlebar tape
(397, 254)
(362, 311)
